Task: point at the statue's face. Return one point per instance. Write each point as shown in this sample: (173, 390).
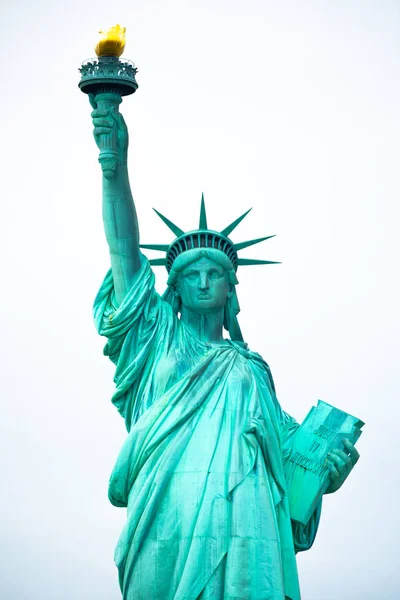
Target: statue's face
(203, 287)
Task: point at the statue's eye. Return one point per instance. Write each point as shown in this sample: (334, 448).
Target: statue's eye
(191, 275)
(214, 274)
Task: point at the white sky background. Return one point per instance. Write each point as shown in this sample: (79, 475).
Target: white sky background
(291, 107)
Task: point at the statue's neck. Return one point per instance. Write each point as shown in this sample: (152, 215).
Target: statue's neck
(207, 328)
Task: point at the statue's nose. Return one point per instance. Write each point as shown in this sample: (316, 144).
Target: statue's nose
(204, 281)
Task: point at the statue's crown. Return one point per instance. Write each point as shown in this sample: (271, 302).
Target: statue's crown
(205, 238)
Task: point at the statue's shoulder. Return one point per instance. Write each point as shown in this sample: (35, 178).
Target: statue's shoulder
(244, 350)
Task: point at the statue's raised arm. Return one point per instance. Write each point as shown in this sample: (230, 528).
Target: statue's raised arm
(119, 213)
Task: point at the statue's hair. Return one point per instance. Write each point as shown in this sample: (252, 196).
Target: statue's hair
(187, 258)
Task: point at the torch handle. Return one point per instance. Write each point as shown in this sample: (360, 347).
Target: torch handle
(108, 157)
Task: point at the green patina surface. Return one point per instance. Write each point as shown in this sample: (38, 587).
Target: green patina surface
(212, 467)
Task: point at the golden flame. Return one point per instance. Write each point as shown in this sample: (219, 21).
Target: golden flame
(112, 42)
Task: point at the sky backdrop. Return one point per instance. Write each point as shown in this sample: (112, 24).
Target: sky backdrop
(287, 106)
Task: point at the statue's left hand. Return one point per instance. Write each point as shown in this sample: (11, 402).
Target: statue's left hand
(340, 464)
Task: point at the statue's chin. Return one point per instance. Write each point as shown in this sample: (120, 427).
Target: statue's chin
(205, 307)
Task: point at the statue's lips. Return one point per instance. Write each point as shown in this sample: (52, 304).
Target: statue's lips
(204, 297)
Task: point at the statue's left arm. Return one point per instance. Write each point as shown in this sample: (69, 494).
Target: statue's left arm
(303, 535)
(340, 463)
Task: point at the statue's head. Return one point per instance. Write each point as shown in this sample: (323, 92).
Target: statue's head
(203, 280)
(202, 268)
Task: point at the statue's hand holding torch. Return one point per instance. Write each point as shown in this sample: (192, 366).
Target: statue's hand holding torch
(111, 135)
(106, 79)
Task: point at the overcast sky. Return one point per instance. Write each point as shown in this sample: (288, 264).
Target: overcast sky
(291, 107)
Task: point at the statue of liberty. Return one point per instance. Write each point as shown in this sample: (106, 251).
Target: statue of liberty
(203, 469)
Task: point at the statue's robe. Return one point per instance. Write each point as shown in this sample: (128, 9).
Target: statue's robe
(201, 471)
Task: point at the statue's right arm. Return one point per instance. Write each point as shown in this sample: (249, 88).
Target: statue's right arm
(119, 213)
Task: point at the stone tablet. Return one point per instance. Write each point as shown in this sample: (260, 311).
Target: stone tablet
(324, 429)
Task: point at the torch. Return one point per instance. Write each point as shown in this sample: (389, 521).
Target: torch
(108, 79)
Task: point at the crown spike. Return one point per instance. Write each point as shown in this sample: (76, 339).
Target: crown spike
(158, 262)
(203, 216)
(176, 230)
(252, 242)
(252, 261)
(161, 247)
(233, 225)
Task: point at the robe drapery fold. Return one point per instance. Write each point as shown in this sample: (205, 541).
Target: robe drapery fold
(201, 471)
